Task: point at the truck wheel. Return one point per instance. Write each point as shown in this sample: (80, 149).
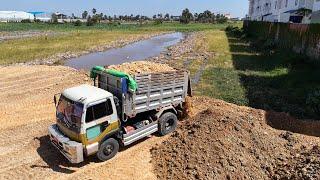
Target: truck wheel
(167, 123)
(108, 149)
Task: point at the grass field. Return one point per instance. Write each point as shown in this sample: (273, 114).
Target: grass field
(166, 26)
(76, 39)
(22, 50)
(240, 74)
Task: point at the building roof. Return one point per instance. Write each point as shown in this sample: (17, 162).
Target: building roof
(86, 94)
(15, 15)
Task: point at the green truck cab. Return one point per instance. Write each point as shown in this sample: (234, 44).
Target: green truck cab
(99, 119)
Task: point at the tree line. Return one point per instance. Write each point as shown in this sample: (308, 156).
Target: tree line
(185, 18)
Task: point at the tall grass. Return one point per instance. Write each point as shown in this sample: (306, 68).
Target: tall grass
(273, 80)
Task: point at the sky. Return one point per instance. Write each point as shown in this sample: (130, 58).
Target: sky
(237, 8)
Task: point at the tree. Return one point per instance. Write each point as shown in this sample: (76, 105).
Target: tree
(195, 16)
(167, 16)
(84, 14)
(54, 18)
(154, 17)
(94, 11)
(186, 16)
(90, 22)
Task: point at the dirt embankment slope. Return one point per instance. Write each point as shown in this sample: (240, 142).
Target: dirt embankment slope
(26, 111)
(226, 141)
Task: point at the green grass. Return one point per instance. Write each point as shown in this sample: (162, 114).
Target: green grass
(22, 50)
(239, 74)
(166, 26)
(76, 39)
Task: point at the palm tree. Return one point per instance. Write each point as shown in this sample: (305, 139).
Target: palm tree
(167, 16)
(94, 11)
(84, 14)
(186, 16)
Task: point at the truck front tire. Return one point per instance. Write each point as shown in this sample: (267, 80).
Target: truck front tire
(167, 123)
(108, 149)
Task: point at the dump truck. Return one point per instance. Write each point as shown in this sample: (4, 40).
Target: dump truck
(116, 111)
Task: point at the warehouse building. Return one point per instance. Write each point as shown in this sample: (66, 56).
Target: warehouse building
(15, 16)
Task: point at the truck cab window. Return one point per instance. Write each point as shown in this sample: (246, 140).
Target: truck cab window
(99, 111)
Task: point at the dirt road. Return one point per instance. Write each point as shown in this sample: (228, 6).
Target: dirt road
(27, 109)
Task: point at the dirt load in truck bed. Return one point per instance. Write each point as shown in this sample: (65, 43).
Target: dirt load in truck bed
(141, 67)
(225, 141)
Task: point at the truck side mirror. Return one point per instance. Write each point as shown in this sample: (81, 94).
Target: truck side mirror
(55, 100)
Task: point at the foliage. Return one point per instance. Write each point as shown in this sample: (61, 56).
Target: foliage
(25, 21)
(54, 18)
(302, 38)
(158, 21)
(84, 14)
(90, 21)
(236, 31)
(239, 73)
(313, 100)
(94, 11)
(77, 23)
(165, 26)
(186, 16)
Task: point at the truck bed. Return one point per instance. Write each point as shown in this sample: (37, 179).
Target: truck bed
(155, 90)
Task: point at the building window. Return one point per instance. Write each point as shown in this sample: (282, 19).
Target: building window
(286, 3)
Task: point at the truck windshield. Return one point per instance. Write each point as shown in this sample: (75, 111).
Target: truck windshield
(69, 113)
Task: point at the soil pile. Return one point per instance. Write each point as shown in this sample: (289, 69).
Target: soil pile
(225, 141)
(303, 164)
(141, 67)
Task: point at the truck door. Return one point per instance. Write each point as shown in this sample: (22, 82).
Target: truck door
(99, 117)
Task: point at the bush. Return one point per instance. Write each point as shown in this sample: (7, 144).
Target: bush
(37, 21)
(90, 22)
(313, 101)
(25, 21)
(158, 21)
(77, 23)
(236, 31)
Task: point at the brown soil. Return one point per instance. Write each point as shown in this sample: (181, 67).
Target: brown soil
(26, 111)
(141, 67)
(219, 140)
(225, 141)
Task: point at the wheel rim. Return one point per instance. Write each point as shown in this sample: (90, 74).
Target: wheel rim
(108, 150)
(169, 124)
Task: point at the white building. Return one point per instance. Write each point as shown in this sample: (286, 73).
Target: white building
(14, 16)
(280, 10)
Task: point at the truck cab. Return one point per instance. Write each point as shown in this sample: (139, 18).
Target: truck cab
(85, 116)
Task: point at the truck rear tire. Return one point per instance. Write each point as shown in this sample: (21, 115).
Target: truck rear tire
(167, 123)
(108, 149)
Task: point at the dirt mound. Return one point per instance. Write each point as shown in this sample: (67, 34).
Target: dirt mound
(225, 141)
(141, 67)
(303, 164)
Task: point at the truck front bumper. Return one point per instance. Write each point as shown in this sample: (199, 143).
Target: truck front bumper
(72, 150)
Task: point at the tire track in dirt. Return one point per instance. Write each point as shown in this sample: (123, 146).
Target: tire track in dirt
(26, 111)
